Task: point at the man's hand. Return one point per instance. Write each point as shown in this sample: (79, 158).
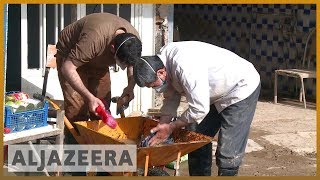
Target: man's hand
(163, 132)
(128, 91)
(93, 103)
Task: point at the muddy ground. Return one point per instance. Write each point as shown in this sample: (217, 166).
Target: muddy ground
(282, 142)
(272, 160)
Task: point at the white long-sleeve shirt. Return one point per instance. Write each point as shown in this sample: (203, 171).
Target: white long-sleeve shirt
(205, 74)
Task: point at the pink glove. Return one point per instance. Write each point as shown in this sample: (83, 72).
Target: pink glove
(106, 117)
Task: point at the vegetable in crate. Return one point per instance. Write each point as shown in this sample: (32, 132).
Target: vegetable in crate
(36, 103)
(15, 107)
(9, 98)
(11, 104)
(24, 104)
(19, 96)
(19, 106)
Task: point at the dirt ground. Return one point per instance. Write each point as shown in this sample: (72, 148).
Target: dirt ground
(282, 142)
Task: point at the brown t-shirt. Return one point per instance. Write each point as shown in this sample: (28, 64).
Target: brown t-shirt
(89, 39)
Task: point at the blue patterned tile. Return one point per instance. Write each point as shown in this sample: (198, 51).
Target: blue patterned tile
(239, 28)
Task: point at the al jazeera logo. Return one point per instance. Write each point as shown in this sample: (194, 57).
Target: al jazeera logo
(72, 158)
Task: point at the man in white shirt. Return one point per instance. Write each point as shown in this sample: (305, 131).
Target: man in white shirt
(222, 90)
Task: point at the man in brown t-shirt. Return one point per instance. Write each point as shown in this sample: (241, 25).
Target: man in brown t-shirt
(85, 50)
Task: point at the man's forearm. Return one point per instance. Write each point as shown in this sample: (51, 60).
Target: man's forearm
(71, 75)
(131, 82)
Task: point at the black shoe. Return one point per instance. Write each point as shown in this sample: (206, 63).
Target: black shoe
(228, 172)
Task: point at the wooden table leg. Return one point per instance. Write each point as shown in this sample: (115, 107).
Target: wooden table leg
(60, 138)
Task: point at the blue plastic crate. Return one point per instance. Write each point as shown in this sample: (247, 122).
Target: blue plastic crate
(27, 119)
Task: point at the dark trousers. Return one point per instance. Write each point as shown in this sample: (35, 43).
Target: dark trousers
(233, 124)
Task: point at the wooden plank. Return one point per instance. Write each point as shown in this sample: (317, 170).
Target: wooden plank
(51, 59)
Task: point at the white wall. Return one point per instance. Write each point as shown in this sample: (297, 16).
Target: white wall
(32, 79)
(142, 18)
(144, 22)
